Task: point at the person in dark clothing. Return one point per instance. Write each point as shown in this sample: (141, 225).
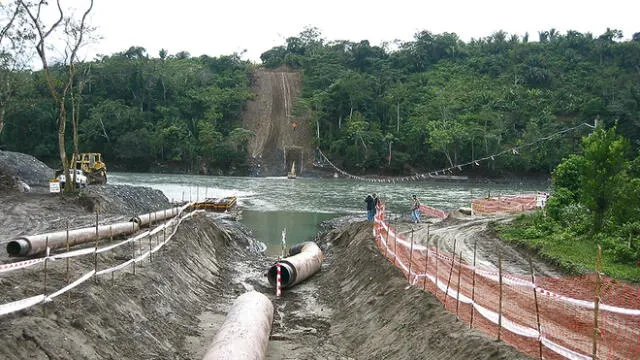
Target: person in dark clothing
(375, 204)
(371, 207)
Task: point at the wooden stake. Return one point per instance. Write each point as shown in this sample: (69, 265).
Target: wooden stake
(426, 261)
(111, 240)
(596, 310)
(500, 301)
(535, 299)
(437, 260)
(67, 261)
(386, 243)
(150, 247)
(446, 293)
(133, 249)
(458, 294)
(410, 257)
(95, 253)
(46, 260)
(395, 245)
(164, 233)
(473, 283)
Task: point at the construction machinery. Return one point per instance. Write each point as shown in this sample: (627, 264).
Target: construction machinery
(91, 165)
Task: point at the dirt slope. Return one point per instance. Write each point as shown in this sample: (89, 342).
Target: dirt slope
(357, 307)
(271, 116)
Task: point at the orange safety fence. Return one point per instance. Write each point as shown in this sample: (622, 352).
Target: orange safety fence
(507, 204)
(544, 317)
(428, 210)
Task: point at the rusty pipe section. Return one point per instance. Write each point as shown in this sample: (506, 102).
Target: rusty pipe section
(245, 332)
(304, 260)
(34, 244)
(152, 217)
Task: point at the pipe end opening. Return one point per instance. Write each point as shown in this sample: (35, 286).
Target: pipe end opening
(285, 275)
(17, 247)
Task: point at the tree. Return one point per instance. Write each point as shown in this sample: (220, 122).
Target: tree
(14, 38)
(74, 36)
(605, 153)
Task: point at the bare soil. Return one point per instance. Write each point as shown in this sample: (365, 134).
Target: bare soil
(358, 307)
(281, 136)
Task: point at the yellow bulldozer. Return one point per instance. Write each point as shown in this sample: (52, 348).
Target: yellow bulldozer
(91, 165)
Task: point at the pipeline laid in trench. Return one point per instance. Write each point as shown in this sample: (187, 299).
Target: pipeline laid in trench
(245, 332)
(28, 245)
(305, 259)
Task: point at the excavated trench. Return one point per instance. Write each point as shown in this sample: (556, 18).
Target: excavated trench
(357, 307)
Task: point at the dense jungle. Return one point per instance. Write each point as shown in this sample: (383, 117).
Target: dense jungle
(394, 109)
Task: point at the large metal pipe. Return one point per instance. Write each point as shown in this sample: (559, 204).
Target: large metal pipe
(34, 244)
(245, 332)
(161, 215)
(304, 260)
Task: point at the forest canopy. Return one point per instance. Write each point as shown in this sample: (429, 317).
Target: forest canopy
(396, 109)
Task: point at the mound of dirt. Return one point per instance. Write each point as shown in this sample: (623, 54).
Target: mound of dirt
(24, 167)
(381, 317)
(122, 199)
(149, 315)
(359, 306)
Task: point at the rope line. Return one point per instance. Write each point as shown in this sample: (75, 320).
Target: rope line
(431, 174)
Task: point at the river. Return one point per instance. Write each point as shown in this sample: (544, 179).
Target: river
(270, 204)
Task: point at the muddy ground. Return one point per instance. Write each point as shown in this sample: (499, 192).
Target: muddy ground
(358, 307)
(271, 116)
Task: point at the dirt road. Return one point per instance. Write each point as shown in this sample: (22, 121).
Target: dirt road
(463, 232)
(281, 136)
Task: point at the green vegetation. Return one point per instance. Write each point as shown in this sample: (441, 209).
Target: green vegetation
(437, 101)
(595, 203)
(397, 109)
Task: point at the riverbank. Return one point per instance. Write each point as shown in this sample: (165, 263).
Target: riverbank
(358, 306)
(172, 307)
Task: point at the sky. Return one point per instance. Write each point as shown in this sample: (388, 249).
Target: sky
(252, 27)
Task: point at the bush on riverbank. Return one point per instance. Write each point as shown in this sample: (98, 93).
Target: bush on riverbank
(573, 251)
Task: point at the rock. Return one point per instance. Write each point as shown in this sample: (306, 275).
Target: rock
(26, 168)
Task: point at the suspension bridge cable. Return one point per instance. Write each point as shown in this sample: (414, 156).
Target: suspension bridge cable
(431, 174)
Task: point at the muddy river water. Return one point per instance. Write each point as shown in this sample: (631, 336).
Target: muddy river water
(271, 204)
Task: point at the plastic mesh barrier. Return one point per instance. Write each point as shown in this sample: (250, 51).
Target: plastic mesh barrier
(505, 304)
(505, 204)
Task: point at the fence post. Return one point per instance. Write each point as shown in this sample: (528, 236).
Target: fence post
(596, 310)
(500, 301)
(437, 258)
(150, 247)
(473, 283)
(164, 233)
(458, 294)
(46, 258)
(68, 275)
(113, 275)
(95, 252)
(535, 298)
(453, 260)
(426, 261)
(133, 248)
(410, 257)
(386, 242)
(395, 245)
